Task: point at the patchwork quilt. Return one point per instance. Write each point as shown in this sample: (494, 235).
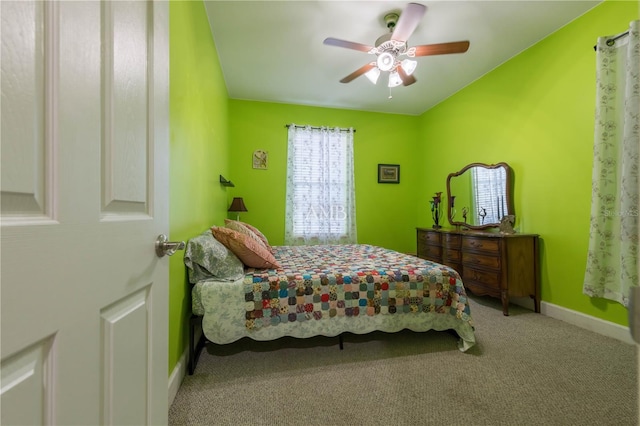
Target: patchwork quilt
(325, 282)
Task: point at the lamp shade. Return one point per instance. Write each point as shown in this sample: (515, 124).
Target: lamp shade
(394, 79)
(373, 75)
(237, 205)
(409, 66)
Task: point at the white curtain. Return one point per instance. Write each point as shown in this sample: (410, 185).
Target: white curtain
(320, 194)
(613, 245)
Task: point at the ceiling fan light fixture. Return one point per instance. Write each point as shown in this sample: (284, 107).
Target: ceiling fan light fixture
(394, 79)
(385, 61)
(409, 66)
(393, 54)
(373, 75)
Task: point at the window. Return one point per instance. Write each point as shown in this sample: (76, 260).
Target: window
(488, 185)
(320, 201)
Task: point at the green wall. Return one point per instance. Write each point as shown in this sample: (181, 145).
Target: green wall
(198, 148)
(385, 213)
(536, 112)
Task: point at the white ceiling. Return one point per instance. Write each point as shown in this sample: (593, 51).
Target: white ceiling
(273, 51)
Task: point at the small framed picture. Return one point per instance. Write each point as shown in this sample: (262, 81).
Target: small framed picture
(388, 173)
(260, 159)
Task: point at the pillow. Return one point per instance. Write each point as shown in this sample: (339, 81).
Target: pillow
(250, 252)
(243, 229)
(207, 258)
(258, 233)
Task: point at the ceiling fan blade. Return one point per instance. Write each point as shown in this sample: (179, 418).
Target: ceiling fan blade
(409, 20)
(330, 41)
(357, 73)
(442, 48)
(407, 79)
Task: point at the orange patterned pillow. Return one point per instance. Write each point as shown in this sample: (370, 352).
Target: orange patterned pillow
(250, 252)
(243, 229)
(258, 233)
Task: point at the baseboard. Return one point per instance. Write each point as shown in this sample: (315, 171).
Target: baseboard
(175, 379)
(587, 322)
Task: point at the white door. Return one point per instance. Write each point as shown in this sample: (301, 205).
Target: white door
(84, 194)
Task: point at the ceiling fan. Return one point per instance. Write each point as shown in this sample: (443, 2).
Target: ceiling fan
(392, 46)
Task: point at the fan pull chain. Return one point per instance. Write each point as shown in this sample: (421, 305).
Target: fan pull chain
(390, 97)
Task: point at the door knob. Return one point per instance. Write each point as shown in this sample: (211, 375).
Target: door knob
(167, 247)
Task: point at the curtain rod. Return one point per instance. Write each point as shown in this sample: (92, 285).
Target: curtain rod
(612, 40)
(317, 128)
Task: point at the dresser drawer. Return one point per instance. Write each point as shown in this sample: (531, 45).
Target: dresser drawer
(484, 278)
(452, 239)
(481, 260)
(429, 237)
(430, 252)
(491, 245)
(452, 255)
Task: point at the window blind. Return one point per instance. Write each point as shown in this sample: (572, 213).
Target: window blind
(320, 186)
(489, 196)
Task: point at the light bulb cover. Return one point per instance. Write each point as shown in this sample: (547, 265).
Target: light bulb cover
(394, 79)
(409, 66)
(373, 75)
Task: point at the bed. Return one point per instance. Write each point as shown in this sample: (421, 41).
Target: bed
(328, 290)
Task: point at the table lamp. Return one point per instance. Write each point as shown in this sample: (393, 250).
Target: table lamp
(237, 206)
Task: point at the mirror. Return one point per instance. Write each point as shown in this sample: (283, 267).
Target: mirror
(479, 195)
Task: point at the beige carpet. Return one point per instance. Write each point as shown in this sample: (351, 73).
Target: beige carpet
(527, 369)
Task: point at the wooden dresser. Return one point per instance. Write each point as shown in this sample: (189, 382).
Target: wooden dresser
(494, 264)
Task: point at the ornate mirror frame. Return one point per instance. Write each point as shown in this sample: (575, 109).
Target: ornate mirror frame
(507, 202)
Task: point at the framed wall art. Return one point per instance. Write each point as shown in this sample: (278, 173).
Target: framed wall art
(388, 173)
(260, 159)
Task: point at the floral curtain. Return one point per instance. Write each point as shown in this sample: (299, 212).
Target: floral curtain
(320, 193)
(612, 261)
